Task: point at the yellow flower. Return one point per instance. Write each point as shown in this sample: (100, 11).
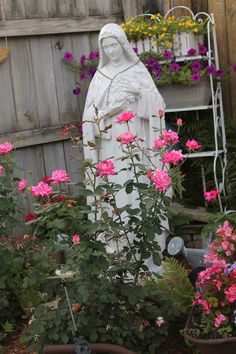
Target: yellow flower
(162, 35)
(168, 44)
(164, 29)
(153, 17)
(195, 30)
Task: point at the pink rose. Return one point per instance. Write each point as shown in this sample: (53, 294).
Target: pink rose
(179, 122)
(5, 148)
(160, 113)
(170, 137)
(173, 156)
(126, 138)
(211, 195)
(193, 144)
(22, 184)
(158, 144)
(75, 239)
(106, 168)
(59, 176)
(1, 170)
(161, 179)
(125, 117)
(42, 189)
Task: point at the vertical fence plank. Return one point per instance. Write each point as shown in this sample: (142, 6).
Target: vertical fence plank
(7, 104)
(44, 81)
(65, 81)
(231, 31)
(22, 77)
(132, 8)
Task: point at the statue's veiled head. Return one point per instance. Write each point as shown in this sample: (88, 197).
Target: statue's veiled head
(112, 42)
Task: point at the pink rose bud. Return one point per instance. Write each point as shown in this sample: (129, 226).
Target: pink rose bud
(179, 122)
(160, 113)
(75, 239)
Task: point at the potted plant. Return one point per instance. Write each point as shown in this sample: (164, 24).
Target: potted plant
(159, 33)
(212, 322)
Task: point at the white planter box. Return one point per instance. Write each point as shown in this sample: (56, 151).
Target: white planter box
(180, 96)
(184, 41)
(181, 44)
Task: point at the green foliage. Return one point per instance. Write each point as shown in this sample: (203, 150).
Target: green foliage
(176, 284)
(6, 329)
(8, 196)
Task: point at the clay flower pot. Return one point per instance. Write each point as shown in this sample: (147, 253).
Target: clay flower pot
(210, 346)
(96, 348)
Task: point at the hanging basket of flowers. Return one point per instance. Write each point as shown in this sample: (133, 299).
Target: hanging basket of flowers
(160, 33)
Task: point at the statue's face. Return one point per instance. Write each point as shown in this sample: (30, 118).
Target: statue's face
(112, 49)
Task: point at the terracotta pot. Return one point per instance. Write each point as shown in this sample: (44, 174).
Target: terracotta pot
(96, 348)
(211, 346)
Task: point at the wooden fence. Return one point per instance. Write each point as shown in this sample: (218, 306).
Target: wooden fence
(36, 98)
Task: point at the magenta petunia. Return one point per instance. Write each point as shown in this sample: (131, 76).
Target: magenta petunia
(211, 69)
(196, 66)
(68, 56)
(167, 54)
(234, 67)
(202, 49)
(191, 52)
(82, 76)
(175, 67)
(135, 50)
(82, 59)
(196, 77)
(219, 73)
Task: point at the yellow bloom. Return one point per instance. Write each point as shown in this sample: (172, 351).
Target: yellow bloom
(195, 30)
(153, 17)
(162, 35)
(164, 29)
(168, 44)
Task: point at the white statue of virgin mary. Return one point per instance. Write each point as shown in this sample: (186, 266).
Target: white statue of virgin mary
(121, 83)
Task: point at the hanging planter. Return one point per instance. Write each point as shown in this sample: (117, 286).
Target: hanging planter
(180, 96)
(210, 346)
(4, 54)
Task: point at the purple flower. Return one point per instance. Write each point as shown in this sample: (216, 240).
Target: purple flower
(151, 62)
(82, 59)
(68, 56)
(202, 49)
(135, 49)
(175, 67)
(234, 67)
(211, 69)
(219, 73)
(156, 67)
(196, 66)
(93, 55)
(196, 77)
(91, 71)
(76, 91)
(191, 52)
(82, 76)
(167, 54)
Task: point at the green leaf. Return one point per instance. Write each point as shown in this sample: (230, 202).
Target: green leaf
(129, 187)
(156, 259)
